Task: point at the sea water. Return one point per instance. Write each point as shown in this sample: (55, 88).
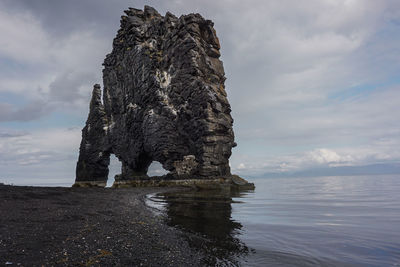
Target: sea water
(319, 221)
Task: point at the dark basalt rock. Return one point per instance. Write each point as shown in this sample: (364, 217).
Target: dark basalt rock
(164, 100)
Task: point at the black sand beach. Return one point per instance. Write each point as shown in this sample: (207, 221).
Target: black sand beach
(87, 227)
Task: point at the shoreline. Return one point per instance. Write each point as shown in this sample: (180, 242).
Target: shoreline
(87, 226)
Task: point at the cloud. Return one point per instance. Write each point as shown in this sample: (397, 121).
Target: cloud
(324, 156)
(10, 134)
(378, 153)
(23, 38)
(31, 111)
(70, 86)
(59, 71)
(39, 155)
(241, 166)
(35, 146)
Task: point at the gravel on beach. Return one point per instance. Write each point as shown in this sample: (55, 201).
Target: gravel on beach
(48, 226)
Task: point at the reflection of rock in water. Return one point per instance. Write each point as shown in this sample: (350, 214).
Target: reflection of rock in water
(208, 216)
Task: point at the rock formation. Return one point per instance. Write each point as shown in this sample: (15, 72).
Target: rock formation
(164, 100)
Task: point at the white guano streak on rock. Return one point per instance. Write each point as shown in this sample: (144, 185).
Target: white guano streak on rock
(163, 78)
(108, 127)
(132, 106)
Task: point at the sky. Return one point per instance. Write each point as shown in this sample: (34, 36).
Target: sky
(312, 83)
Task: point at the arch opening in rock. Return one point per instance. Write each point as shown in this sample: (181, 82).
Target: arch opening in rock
(156, 169)
(114, 169)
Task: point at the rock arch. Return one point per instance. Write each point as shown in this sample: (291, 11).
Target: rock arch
(163, 100)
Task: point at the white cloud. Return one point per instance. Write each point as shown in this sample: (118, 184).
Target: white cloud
(33, 157)
(59, 70)
(23, 38)
(35, 146)
(241, 166)
(320, 157)
(324, 156)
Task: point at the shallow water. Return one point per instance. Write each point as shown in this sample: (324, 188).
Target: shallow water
(323, 221)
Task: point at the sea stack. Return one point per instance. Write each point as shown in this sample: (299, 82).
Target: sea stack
(163, 100)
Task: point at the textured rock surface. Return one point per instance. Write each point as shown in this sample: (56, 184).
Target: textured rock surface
(164, 100)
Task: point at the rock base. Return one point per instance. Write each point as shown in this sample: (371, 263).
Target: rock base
(90, 184)
(221, 183)
(233, 182)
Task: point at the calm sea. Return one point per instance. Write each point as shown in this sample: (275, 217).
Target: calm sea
(322, 221)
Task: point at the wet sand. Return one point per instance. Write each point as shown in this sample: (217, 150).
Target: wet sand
(87, 227)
